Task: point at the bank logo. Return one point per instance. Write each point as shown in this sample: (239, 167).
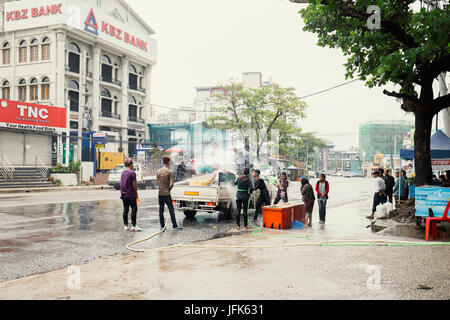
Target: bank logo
(90, 25)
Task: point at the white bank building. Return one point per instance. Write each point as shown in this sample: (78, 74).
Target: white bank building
(93, 57)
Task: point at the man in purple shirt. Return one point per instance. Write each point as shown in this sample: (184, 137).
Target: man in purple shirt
(129, 194)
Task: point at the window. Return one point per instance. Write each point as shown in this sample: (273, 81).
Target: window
(45, 89)
(46, 49)
(73, 124)
(6, 53)
(74, 57)
(132, 77)
(106, 103)
(22, 90)
(106, 68)
(22, 51)
(5, 90)
(74, 95)
(34, 50)
(34, 89)
(132, 109)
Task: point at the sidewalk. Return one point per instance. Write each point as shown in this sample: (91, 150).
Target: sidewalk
(280, 273)
(6, 193)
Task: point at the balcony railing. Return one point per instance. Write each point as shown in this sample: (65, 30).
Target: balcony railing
(107, 114)
(113, 81)
(134, 119)
(136, 89)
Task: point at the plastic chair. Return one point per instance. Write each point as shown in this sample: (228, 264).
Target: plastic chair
(434, 220)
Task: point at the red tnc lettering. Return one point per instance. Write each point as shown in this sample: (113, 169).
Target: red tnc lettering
(9, 16)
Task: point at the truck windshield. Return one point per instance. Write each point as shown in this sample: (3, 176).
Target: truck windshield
(119, 169)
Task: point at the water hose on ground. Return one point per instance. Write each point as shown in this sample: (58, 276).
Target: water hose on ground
(259, 232)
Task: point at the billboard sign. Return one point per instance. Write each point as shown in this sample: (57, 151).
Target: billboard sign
(83, 16)
(22, 115)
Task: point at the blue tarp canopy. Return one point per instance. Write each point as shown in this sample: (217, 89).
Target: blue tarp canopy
(439, 145)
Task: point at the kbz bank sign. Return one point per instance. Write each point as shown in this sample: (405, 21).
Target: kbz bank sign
(21, 115)
(82, 16)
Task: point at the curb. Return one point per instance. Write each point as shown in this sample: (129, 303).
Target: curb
(57, 189)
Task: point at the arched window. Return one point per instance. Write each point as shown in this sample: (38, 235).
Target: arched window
(34, 46)
(6, 90)
(74, 95)
(45, 89)
(22, 90)
(22, 51)
(132, 109)
(106, 103)
(74, 57)
(132, 77)
(73, 85)
(6, 53)
(34, 89)
(105, 59)
(45, 49)
(106, 68)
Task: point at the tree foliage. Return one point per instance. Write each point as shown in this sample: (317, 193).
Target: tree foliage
(411, 49)
(259, 109)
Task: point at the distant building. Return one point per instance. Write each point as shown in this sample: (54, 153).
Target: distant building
(206, 96)
(381, 137)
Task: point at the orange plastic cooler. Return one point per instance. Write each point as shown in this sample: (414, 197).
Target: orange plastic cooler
(280, 216)
(277, 217)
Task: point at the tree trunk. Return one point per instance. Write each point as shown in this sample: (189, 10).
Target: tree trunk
(422, 153)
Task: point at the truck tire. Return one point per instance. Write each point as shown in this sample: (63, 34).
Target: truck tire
(117, 188)
(226, 213)
(190, 213)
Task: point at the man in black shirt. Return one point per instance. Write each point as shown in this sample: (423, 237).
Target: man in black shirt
(390, 183)
(180, 171)
(264, 198)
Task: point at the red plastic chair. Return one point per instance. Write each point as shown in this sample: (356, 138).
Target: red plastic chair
(434, 220)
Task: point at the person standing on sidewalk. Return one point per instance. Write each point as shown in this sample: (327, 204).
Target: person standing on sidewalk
(129, 195)
(308, 199)
(390, 183)
(242, 196)
(164, 180)
(264, 197)
(322, 188)
(282, 189)
(379, 196)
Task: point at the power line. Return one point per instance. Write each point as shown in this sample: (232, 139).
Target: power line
(322, 91)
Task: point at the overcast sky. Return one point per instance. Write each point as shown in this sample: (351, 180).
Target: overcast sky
(204, 42)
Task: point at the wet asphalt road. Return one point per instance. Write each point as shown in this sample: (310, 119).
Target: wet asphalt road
(48, 231)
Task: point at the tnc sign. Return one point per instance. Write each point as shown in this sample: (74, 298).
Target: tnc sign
(33, 112)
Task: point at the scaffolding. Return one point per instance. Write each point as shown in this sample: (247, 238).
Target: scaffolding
(382, 137)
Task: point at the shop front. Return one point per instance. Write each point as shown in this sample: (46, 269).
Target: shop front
(31, 133)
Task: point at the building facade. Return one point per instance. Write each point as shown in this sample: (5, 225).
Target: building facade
(381, 137)
(93, 57)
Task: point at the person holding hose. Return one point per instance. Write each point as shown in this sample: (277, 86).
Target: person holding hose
(242, 196)
(164, 180)
(322, 188)
(129, 195)
(264, 197)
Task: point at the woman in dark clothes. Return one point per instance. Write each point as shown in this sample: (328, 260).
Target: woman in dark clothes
(308, 198)
(242, 195)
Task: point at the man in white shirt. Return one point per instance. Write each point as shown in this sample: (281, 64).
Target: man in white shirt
(379, 195)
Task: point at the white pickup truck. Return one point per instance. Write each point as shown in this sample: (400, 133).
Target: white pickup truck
(142, 178)
(218, 195)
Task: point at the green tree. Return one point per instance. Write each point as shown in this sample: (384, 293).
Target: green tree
(411, 49)
(259, 109)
